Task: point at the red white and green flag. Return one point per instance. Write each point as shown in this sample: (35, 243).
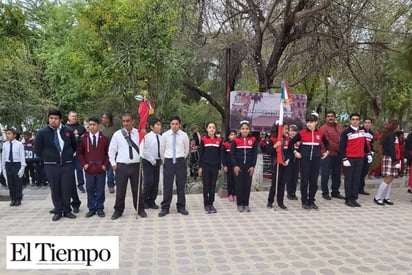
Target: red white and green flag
(285, 98)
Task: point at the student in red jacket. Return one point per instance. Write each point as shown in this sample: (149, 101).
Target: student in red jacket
(243, 155)
(210, 161)
(93, 157)
(228, 167)
(353, 150)
(310, 155)
(391, 161)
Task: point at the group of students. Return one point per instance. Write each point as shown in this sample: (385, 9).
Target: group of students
(302, 152)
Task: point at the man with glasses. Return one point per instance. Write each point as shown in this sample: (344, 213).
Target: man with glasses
(331, 165)
(353, 149)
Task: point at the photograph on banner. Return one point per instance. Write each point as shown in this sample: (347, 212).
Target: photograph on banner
(262, 110)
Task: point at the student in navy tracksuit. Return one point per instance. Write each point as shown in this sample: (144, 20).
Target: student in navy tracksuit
(210, 159)
(310, 155)
(280, 171)
(353, 149)
(228, 167)
(243, 155)
(294, 166)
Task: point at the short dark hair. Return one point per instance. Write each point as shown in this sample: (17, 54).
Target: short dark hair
(94, 119)
(55, 112)
(109, 116)
(368, 118)
(354, 114)
(330, 112)
(153, 121)
(175, 117)
(12, 130)
(27, 133)
(129, 114)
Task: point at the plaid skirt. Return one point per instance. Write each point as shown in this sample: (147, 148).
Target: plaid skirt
(388, 168)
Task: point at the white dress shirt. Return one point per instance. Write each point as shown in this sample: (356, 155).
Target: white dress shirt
(118, 145)
(182, 145)
(150, 150)
(18, 153)
(97, 138)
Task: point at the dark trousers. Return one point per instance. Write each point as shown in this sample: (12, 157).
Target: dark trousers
(41, 179)
(79, 171)
(243, 183)
(75, 200)
(15, 183)
(30, 172)
(110, 177)
(309, 177)
(124, 173)
(365, 171)
(171, 170)
(61, 185)
(352, 178)
(95, 191)
(282, 173)
(209, 178)
(293, 179)
(230, 180)
(330, 166)
(151, 175)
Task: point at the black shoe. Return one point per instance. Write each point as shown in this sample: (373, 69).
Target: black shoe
(17, 203)
(76, 209)
(282, 206)
(142, 214)
(410, 190)
(52, 211)
(295, 197)
(116, 215)
(378, 202)
(363, 192)
(356, 204)
(183, 211)
(240, 208)
(306, 206)
(100, 213)
(388, 201)
(56, 217)
(154, 206)
(146, 205)
(90, 214)
(81, 189)
(12, 203)
(314, 206)
(111, 190)
(326, 197)
(69, 215)
(163, 213)
(290, 197)
(269, 205)
(349, 203)
(338, 196)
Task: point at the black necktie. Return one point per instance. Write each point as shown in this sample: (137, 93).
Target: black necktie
(94, 142)
(130, 148)
(158, 146)
(11, 152)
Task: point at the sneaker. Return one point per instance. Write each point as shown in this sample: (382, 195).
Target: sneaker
(111, 190)
(212, 209)
(230, 198)
(388, 201)
(247, 208)
(314, 206)
(326, 197)
(240, 208)
(269, 205)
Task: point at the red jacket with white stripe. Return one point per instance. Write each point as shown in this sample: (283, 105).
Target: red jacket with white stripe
(353, 143)
(310, 143)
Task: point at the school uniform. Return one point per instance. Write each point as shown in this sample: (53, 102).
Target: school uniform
(151, 168)
(280, 173)
(294, 164)
(230, 176)
(13, 163)
(310, 149)
(243, 153)
(366, 164)
(210, 159)
(93, 151)
(353, 148)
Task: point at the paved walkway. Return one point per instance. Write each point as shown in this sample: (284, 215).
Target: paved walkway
(334, 240)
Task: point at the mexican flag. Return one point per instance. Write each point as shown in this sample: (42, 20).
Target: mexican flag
(285, 98)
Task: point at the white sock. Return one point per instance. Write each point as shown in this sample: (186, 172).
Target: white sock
(388, 192)
(381, 189)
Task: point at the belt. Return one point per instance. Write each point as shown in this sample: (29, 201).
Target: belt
(58, 163)
(95, 162)
(176, 159)
(131, 163)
